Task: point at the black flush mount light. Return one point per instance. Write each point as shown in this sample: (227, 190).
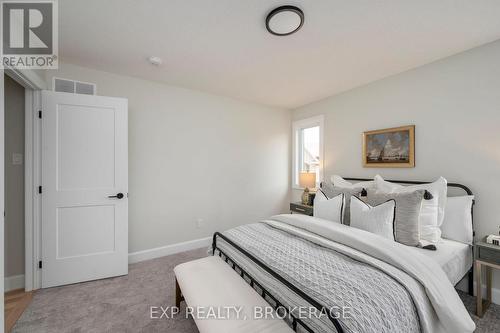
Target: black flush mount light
(284, 20)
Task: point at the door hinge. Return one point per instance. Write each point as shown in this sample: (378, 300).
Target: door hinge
(40, 114)
(40, 264)
(39, 189)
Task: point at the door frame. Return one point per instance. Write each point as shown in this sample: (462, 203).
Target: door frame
(33, 85)
(103, 250)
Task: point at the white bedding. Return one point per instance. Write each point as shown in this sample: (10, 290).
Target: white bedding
(439, 307)
(455, 258)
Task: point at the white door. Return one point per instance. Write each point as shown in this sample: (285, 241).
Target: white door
(84, 188)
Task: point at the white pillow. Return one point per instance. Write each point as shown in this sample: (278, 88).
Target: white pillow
(432, 212)
(341, 182)
(375, 219)
(329, 209)
(457, 223)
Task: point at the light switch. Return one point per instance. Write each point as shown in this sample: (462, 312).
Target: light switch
(17, 159)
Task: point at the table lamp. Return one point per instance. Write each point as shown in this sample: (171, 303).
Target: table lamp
(307, 180)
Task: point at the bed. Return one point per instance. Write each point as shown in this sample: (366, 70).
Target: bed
(299, 262)
(455, 259)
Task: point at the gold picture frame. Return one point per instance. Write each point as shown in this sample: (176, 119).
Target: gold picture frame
(389, 148)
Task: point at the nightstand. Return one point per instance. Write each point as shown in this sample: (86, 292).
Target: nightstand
(299, 208)
(487, 255)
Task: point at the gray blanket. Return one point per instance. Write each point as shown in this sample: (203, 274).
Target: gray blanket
(386, 286)
(367, 299)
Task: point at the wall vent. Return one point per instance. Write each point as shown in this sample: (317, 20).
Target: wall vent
(74, 87)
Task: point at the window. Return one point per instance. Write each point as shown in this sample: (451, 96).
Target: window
(307, 148)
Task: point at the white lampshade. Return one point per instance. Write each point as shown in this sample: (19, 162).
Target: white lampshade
(307, 179)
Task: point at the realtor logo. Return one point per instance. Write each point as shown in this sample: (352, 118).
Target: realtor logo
(29, 34)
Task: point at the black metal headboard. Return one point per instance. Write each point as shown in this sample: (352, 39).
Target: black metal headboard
(414, 182)
(455, 185)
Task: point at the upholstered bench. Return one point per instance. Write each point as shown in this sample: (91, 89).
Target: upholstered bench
(209, 284)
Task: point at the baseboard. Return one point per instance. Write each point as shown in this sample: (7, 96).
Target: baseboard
(14, 282)
(168, 250)
(495, 293)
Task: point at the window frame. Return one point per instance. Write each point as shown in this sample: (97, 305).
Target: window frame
(297, 126)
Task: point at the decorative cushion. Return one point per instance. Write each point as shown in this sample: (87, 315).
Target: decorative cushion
(432, 212)
(375, 219)
(408, 206)
(331, 191)
(330, 209)
(457, 224)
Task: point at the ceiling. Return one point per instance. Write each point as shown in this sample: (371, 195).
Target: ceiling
(223, 47)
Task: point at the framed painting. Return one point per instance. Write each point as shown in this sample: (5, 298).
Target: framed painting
(389, 148)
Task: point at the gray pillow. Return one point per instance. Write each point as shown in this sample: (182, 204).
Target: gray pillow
(406, 222)
(332, 191)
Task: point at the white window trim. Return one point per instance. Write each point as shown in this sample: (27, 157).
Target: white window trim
(296, 126)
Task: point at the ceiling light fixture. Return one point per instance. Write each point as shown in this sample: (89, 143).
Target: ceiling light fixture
(284, 20)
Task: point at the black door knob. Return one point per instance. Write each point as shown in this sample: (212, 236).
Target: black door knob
(118, 196)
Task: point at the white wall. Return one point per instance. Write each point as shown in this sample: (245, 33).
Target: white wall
(455, 105)
(194, 155)
(14, 178)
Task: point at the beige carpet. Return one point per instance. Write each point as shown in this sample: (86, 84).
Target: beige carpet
(123, 304)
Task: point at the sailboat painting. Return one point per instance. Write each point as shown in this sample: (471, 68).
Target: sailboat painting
(389, 148)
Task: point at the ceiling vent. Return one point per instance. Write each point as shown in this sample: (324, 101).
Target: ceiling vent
(74, 87)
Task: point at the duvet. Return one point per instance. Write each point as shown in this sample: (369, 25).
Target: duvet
(383, 286)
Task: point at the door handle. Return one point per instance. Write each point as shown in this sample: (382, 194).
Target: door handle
(118, 196)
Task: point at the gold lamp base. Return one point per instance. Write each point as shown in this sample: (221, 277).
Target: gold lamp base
(305, 197)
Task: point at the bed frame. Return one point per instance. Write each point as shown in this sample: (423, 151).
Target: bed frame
(264, 293)
(277, 304)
